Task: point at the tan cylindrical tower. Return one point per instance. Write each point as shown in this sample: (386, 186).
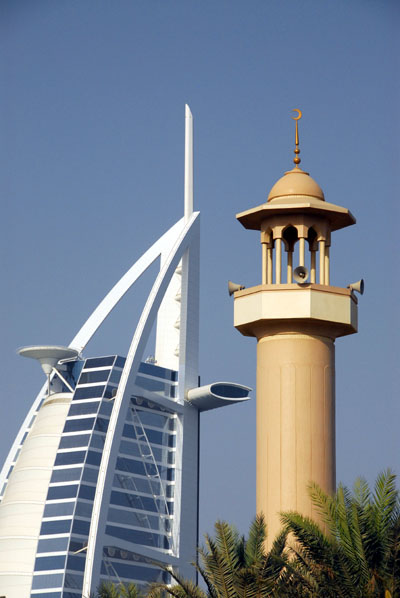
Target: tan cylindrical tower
(296, 324)
(295, 391)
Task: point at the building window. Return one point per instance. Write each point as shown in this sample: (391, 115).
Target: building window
(95, 376)
(99, 362)
(60, 526)
(60, 509)
(47, 563)
(78, 425)
(62, 491)
(66, 475)
(89, 392)
(47, 581)
(83, 408)
(74, 441)
(52, 545)
(70, 458)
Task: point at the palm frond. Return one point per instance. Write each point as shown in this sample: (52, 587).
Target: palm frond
(385, 501)
(254, 549)
(212, 592)
(315, 544)
(217, 565)
(326, 506)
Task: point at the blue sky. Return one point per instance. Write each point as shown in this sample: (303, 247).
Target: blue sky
(91, 161)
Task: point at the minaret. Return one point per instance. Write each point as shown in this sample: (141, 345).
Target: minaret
(296, 315)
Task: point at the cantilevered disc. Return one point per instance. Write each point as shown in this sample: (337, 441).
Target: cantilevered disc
(48, 355)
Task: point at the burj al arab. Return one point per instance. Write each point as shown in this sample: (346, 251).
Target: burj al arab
(102, 481)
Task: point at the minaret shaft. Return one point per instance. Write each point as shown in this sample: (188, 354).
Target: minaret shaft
(295, 423)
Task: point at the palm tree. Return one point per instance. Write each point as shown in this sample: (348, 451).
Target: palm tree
(232, 567)
(359, 555)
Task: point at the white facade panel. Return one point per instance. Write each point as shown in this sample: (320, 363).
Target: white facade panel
(16, 586)
(25, 496)
(20, 518)
(16, 555)
(36, 479)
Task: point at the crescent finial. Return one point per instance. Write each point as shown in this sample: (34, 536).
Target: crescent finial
(299, 114)
(297, 159)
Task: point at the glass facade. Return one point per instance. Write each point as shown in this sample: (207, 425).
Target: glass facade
(140, 512)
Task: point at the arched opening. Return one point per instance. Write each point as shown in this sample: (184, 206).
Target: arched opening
(313, 246)
(267, 244)
(290, 238)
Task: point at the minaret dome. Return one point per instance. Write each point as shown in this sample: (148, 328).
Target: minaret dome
(294, 185)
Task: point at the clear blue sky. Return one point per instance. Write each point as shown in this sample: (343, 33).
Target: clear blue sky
(92, 98)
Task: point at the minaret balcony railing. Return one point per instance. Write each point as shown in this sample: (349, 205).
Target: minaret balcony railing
(310, 308)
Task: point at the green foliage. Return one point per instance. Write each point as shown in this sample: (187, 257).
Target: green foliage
(232, 567)
(355, 555)
(358, 556)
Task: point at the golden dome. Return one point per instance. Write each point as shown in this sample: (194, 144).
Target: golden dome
(294, 183)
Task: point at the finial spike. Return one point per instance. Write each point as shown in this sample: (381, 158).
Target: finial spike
(297, 159)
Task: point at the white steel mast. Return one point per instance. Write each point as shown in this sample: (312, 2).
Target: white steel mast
(188, 163)
(170, 343)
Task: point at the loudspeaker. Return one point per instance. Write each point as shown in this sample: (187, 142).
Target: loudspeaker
(357, 286)
(301, 274)
(233, 287)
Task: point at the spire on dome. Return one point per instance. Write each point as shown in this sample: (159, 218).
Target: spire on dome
(296, 159)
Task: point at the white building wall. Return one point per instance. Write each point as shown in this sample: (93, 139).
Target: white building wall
(22, 507)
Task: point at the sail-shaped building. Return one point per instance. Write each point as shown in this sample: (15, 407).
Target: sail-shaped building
(102, 481)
